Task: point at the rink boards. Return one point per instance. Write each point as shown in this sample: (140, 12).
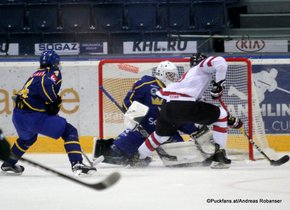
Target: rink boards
(80, 101)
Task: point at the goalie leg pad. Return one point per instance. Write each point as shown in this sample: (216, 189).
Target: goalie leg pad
(186, 153)
(204, 140)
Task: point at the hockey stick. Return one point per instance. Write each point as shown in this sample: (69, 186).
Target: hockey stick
(278, 162)
(95, 162)
(161, 152)
(106, 183)
(87, 158)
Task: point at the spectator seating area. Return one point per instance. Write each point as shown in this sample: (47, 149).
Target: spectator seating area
(85, 20)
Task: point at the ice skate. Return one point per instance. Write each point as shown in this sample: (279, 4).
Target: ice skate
(10, 169)
(80, 169)
(218, 159)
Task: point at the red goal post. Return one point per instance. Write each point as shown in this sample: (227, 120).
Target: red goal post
(118, 75)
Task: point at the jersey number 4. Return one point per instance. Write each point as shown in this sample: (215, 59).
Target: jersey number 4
(25, 91)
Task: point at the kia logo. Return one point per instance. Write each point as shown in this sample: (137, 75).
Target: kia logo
(250, 45)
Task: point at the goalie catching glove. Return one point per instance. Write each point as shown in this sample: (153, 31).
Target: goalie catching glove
(234, 122)
(217, 89)
(134, 115)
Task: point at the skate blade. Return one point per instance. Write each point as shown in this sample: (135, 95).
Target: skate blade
(218, 165)
(89, 174)
(9, 173)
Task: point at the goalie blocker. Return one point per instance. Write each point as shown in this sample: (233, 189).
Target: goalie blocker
(135, 114)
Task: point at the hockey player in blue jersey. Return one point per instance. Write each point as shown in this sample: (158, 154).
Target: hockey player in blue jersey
(122, 149)
(36, 112)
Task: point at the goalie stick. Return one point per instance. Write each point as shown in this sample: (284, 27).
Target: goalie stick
(278, 162)
(109, 181)
(161, 152)
(95, 162)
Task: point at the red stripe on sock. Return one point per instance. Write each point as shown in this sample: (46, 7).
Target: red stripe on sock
(155, 140)
(220, 129)
(225, 119)
(149, 146)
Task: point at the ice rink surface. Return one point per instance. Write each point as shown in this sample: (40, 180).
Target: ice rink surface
(246, 185)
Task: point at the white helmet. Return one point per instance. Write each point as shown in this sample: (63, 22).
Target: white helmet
(166, 72)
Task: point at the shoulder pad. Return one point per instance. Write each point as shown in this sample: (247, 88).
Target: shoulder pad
(147, 78)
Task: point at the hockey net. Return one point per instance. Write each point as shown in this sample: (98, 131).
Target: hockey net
(118, 76)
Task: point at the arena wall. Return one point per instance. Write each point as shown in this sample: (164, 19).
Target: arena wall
(80, 100)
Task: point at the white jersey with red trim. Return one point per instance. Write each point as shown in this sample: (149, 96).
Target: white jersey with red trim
(196, 80)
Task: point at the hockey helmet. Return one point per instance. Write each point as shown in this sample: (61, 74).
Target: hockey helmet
(167, 72)
(196, 58)
(49, 58)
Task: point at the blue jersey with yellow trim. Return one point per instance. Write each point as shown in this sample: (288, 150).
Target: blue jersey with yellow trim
(144, 91)
(41, 88)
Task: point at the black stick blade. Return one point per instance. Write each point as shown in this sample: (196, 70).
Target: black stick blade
(106, 183)
(280, 161)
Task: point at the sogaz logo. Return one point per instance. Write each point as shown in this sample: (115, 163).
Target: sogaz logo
(61, 48)
(250, 45)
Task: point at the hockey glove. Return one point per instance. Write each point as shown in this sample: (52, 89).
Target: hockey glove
(217, 89)
(54, 107)
(234, 122)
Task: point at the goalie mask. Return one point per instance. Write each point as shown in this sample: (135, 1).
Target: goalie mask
(166, 72)
(196, 58)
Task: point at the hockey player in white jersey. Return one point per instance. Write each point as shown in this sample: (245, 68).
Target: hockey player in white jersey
(183, 104)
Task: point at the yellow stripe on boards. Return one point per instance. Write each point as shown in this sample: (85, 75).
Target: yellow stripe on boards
(280, 143)
(49, 145)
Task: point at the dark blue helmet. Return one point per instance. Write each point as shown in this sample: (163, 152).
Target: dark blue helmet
(49, 58)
